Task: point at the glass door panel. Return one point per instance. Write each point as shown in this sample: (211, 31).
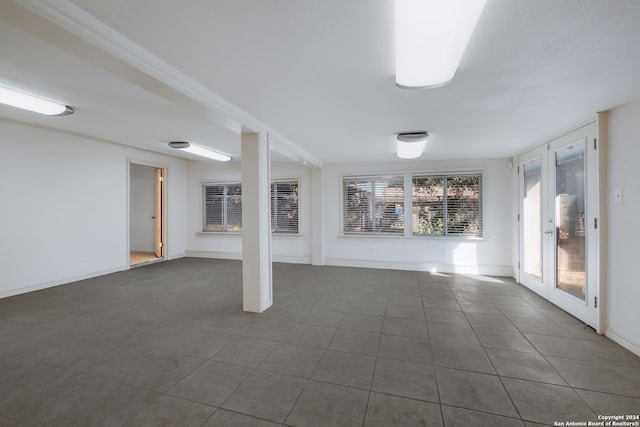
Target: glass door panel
(570, 208)
(558, 200)
(532, 218)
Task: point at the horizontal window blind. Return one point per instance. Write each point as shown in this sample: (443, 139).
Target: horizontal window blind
(373, 204)
(284, 207)
(234, 208)
(447, 204)
(222, 207)
(213, 218)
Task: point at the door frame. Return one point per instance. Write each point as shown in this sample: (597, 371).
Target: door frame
(163, 206)
(533, 283)
(596, 191)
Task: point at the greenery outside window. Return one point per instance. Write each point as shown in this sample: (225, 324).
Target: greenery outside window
(447, 204)
(284, 207)
(373, 205)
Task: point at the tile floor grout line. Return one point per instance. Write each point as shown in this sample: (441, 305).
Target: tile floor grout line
(435, 374)
(481, 412)
(373, 377)
(153, 316)
(495, 370)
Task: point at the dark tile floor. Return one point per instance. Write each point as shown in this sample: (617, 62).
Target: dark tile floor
(169, 345)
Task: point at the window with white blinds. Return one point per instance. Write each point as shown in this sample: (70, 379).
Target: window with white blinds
(447, 204)
(284, 207)
(222, 205)
(373, 204)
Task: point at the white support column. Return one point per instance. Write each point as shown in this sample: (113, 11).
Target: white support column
(317, 216)
(257, 291)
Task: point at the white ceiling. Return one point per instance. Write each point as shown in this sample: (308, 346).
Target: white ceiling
(319, 75)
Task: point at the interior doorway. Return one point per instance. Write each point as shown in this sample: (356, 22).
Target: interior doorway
(146, 214)
(559, 242)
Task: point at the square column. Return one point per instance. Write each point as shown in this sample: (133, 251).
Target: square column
(257, 291)
(317, 216)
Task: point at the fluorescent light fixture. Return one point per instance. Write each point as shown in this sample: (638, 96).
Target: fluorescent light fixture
(410, 145)
(200, 151)
(431, 36)
(33, 103)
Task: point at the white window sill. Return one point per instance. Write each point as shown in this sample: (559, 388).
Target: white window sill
(239, 233)
(411, 237)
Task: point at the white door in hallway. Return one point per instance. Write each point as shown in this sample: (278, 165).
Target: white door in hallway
(558, 187)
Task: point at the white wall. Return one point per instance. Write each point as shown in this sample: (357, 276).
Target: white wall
(285, 248)
(623, 227)
(64, 207)
(142, 208)
(490, 255)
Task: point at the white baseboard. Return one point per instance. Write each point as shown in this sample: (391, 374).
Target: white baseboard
(613, 335)
(60, 282)
(292, 259)
(217, 255)
(488, 270)
(238, 256)
(444, 268)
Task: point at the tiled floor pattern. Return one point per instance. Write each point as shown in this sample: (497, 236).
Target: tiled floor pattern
(169, 345)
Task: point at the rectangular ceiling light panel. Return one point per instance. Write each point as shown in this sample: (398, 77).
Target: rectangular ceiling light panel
(431, 37)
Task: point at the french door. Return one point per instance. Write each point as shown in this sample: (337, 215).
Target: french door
(558, 187)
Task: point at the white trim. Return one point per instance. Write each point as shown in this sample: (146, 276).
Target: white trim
(488, 270)
(203, 183)
(593, 187)
(211, 254)
(602, 123)
(238, 257)
(580, 124)
(65, 14)
(445, 237)
(60, 282)
(165, 204)
(74, 19)
(239, 233)
(219, 233)
(407, 177)
(297, 179)
(629, 345)
(292, 259)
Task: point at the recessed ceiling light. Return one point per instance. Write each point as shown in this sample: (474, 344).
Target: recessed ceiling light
(410, 145)
(199, 151)
(33, 103)
(431, 36)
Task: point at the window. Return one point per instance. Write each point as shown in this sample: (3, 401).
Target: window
(222, 207)
(284, 207)
(447, 204)
(373, 205)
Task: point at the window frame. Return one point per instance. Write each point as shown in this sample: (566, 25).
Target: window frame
(408, 175)
(401, 178)
(452, 174)
(274, 231)
(224, 214)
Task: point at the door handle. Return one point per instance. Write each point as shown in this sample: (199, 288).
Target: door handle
(153, 217)
(548, 232)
